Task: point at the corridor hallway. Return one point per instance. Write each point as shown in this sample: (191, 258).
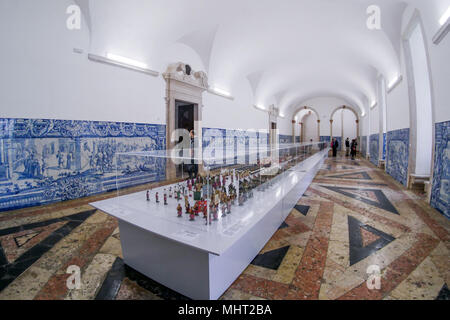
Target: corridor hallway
(352, 216)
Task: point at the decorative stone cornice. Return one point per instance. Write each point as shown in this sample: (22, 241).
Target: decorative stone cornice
(183, 73)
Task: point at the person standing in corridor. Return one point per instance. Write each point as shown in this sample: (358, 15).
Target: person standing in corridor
(335, 147)
(353, 151)
(347, 147)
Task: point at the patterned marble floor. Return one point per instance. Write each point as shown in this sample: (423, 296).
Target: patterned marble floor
(353, 216)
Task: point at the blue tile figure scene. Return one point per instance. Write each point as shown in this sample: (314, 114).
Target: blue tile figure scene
(325, 139)
(384, 146)
(364, 146)
(44, 161)
(374, 148)
(398, 155)
(229, 141)
(285, 138)
(440, 193)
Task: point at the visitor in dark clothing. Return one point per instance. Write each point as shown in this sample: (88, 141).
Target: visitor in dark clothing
(353, 148)
(335, 147)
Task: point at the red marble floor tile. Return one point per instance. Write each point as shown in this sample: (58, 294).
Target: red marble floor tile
(308, 276)
(368, 237)
(430, 222)
(56, 287)
(259, 287)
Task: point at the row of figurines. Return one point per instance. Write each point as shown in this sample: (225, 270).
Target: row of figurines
(220, 195)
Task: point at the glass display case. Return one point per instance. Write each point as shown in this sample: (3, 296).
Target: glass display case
(221, 204)
(211, 193)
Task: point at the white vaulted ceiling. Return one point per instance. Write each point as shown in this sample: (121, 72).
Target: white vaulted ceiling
(289, 50)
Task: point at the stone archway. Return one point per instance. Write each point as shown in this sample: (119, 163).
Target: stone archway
(302, 126)
(357, 122)
(183, 84)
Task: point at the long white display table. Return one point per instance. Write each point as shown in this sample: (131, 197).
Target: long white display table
(199, 260)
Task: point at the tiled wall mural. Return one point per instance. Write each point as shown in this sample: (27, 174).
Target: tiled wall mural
(374, 148)
(325, 139)
(285, 138)
(384, 146)
(364, 146)
(230, 141)
(398, 155)
(44, 161)
(440, 194)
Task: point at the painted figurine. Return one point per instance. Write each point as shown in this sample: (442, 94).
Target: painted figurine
(241, 200)
(179, 210)
(157, 197)
(165, 197)
(191, 215)
(196, 208)
(170, 192)
(148, 195)
(186, 204)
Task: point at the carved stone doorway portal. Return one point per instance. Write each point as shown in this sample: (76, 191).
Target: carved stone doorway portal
(184, 89)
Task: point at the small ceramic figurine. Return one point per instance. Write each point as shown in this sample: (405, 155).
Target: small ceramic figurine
(241, 199)
(179, 211)
(204, 208)
(223, 208)
(186, 204)
(170, 192)
(228, 205)
(191, 215)
(196, 208)
(148, 195)
(165, 197)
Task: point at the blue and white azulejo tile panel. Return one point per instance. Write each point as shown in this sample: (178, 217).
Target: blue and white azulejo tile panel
(440, 194)
(44, 161)
(398, 155)
(364, 146)
(374, 148)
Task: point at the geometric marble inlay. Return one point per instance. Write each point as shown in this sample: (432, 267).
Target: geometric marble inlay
(302, 209)
(284, 225)
(367, 237)
(381, 200)
(354, 175)
(271, 259)
(15, 259)
(21, 240)
(15, 244)
(365, 240)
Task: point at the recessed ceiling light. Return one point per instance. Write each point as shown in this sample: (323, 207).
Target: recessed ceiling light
(221, 91)
(128, 61)
(445, 17)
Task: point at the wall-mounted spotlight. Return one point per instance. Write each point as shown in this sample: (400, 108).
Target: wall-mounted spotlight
(116, 60)
(220, 92)
(444, 21)
(260, 107)
(394, 83)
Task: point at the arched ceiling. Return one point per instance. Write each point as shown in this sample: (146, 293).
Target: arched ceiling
(289, 50)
